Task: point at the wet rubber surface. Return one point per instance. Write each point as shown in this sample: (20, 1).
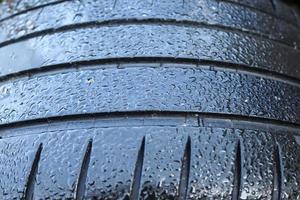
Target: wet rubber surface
(139, 88)
(158, 40)
(115, 150)
(219, 15)
(147, 99)
(8, 8)
(275, 8)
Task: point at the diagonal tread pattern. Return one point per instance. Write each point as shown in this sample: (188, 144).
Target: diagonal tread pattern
(185, 171)
(29, 191)
(136, 182)
(81, 182)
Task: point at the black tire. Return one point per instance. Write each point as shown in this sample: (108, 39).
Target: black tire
(146, 99)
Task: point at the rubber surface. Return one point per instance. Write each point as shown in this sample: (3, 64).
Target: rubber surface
(146, 99)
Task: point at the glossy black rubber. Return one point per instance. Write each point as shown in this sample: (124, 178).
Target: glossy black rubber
(149, 99)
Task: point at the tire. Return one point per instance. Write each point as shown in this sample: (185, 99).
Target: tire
(144, 99)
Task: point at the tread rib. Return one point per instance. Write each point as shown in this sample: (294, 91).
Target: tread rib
(237, 173)
(28, 195)
(185, 171)
(136, 182)
(226, 1)
(80, 186)
(214, 65)
(143, 21)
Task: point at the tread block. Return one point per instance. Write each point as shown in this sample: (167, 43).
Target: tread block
(161, 179)
(16, 158)
(257, 165)
(60, 164)
(289, 147)
(112, 163)
(212, 163)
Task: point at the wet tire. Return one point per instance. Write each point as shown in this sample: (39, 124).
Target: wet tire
(146, 99)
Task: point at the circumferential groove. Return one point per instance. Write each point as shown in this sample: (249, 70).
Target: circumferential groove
(185, 171)
(277, 182)
(237, 172)
(81, 182)
(28, 195)
(136, 182)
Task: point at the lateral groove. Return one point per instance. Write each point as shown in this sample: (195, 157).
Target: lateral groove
(185, 171)
(277, 182)
(297, 16)
(199, 63)
(273, 5)
(145, 21)
(237, 172)
(29, 191)
(137, 175)
(80, 186)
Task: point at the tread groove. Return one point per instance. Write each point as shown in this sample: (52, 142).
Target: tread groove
(297, 16)
(185, 171)
(144, 21)
(80, 186)
(28, 195)
(201, 115)
(273, 3)
(137, 176)
(277, 182)
(114, 4)
(237, 172)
